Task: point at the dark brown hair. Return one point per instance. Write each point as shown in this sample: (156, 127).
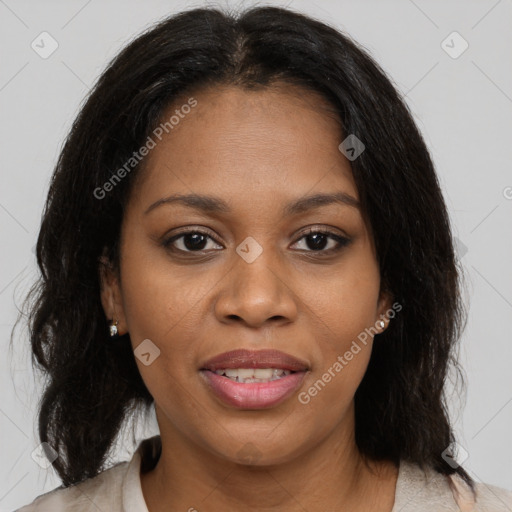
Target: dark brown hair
(93, 383)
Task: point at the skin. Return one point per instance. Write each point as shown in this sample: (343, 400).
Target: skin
(258, 151)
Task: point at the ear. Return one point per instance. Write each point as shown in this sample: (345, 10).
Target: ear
(384, 308)
(111, 297)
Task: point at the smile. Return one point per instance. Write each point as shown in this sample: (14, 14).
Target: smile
(252, 375)
(243, 389)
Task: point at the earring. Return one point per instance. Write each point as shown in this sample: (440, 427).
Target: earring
(382, 324)
(113, 329)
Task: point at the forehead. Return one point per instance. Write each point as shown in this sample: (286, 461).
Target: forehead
(253, 145)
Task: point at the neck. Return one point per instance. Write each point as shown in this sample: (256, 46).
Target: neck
(331, 475)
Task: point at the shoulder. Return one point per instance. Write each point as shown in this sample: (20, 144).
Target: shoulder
(103, 492)
(426, 490)
(485, 498)
(116, 489)
(493, 499)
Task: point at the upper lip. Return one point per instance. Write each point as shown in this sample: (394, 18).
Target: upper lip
(243, 358)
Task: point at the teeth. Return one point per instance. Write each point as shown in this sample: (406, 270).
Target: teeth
(263, 373)
(250, 375)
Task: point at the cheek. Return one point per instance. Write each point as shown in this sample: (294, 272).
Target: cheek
(343, 349)
(345, 302)
(161, 305)
(344, 308)
(161, 301)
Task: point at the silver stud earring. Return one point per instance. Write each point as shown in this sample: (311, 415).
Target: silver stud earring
(382, 324)
(113, 329)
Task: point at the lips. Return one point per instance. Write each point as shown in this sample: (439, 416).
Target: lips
(255, 359)
(253, 395)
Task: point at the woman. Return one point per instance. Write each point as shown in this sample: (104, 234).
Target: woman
(245, 229)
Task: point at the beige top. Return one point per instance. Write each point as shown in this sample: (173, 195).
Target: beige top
(118, 489)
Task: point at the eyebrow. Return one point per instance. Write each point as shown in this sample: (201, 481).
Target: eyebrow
(212, 204)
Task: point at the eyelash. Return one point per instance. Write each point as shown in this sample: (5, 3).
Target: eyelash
(341, 240)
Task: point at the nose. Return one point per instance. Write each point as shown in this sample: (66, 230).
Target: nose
(256, 293)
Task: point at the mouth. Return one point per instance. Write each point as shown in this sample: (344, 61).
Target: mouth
(252, 392)
(253, 379)
(253, 375)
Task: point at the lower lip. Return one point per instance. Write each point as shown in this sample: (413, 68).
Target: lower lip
(254, 395)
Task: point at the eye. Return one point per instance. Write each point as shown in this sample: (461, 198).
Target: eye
(319, 239)
(190, 241)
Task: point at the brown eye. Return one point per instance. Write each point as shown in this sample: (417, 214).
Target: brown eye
(189, 241)
(323, 241)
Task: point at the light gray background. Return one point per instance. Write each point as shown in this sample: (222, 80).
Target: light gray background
(463, 107)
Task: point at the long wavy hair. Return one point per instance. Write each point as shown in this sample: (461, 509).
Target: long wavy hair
(92, 382)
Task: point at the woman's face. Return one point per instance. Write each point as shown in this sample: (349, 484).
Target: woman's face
(248, 275)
